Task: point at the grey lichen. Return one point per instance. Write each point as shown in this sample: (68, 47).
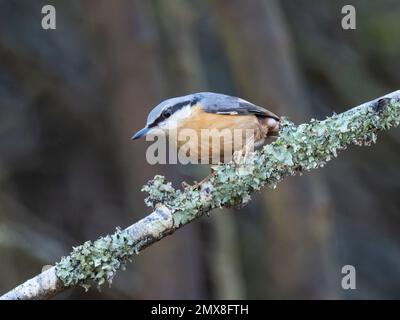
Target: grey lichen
(96, 262)
(298, 148)
(184, 204)
(160, 192)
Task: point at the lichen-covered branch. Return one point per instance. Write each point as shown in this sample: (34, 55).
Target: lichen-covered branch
(298, 148)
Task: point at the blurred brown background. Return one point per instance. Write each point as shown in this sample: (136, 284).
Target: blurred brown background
(71, 98)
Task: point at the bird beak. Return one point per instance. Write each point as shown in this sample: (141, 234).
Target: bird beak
(140, 133)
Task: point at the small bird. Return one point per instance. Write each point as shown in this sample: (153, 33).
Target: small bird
(213, 112)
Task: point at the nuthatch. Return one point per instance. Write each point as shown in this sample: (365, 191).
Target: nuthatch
(207, 110)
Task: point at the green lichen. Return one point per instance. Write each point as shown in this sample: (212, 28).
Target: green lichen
(96, 262)
(184, 205)
(304, 147)
(160, 192)
(298, 148)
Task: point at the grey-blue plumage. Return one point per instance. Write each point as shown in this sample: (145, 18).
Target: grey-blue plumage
(210, 102)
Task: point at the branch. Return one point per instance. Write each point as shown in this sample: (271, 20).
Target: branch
(307, 146)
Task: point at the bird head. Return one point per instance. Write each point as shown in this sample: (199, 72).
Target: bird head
(167, 115)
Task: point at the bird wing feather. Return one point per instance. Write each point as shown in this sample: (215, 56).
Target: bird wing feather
(229, 105)
(245, 108)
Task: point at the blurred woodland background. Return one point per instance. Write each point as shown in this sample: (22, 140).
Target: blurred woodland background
(71, 98)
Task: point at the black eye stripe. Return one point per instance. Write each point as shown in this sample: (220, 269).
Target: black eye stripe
(178, 106)
(171, 110)
(166, 113)
(194, 101)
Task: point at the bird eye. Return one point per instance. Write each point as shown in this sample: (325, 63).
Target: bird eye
(166, 113)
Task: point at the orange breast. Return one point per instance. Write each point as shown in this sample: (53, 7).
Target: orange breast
(211, 138)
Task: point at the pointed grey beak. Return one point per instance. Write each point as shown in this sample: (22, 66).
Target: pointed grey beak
(140, 133)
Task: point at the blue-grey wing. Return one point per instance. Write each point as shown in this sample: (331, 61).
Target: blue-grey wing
(223, 104)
